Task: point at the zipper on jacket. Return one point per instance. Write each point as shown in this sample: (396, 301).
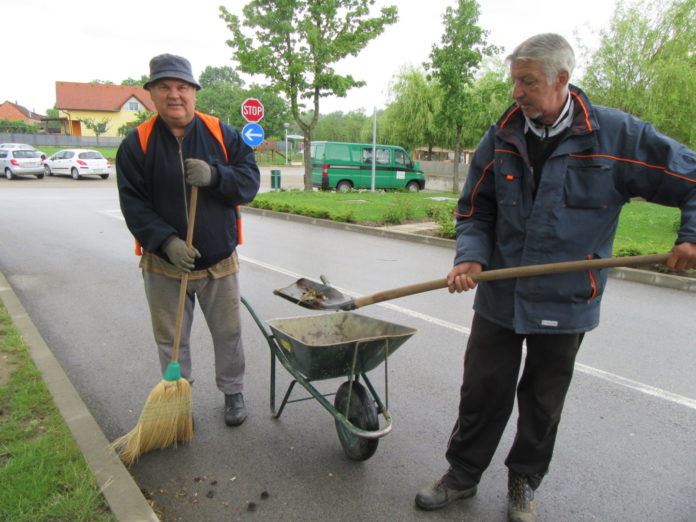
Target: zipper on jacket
(180, 141)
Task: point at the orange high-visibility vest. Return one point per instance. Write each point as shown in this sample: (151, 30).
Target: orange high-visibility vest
(213, 125)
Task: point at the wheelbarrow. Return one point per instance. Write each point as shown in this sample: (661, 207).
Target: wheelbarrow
(337, 345)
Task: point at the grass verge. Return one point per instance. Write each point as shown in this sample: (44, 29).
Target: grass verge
(644, 228)
(42, 470)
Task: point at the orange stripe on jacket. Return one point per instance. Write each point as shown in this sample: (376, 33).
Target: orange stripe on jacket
(636, 162)
(473, 192)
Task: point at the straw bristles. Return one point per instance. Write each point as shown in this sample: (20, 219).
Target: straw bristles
(166, 419)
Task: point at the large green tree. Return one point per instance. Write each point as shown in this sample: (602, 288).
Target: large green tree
(646, 65)
(411, 119)
(454, 63)
(296, 42)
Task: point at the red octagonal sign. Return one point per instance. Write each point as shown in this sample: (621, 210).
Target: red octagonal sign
(252, 110)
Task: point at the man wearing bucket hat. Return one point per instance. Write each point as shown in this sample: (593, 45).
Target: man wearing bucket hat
(157, 165)
(546, 184)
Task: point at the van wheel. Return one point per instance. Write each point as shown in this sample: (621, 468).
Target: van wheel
(413, 186)
(344, 186)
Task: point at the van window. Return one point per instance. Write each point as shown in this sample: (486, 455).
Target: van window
(338, 152)
(400, 157)
(382, 156)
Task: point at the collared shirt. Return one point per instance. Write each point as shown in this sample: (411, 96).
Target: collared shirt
(561, 124)
(153, 263)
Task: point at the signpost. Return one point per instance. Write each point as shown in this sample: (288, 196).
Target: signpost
(252, 110)
(252, 133)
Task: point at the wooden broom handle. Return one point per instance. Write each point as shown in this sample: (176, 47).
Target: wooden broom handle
(185, 276)
(508, 273)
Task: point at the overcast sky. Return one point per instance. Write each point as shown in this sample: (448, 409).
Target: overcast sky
(84, 40)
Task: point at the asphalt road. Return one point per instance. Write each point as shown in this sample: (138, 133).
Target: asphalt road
(626, 445)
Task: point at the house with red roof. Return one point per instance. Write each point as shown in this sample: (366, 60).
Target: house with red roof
(119, 104)
(13, 111)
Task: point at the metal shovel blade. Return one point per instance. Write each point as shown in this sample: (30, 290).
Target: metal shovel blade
(313, 295)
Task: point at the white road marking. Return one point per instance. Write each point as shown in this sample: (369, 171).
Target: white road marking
(589, 370)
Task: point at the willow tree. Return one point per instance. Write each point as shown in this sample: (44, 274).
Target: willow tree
(294, 44)
(646, 65)
(454, 63)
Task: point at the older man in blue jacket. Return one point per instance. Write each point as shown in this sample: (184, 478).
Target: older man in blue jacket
(546, 184)
(157, 165)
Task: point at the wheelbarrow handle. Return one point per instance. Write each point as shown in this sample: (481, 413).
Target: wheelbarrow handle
(518, 271)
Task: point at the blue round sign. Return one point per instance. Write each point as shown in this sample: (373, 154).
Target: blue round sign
(253, 134)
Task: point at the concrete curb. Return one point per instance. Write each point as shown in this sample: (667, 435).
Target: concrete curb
(115, 482)
(628, 274)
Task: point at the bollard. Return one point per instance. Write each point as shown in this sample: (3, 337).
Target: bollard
(275, 179)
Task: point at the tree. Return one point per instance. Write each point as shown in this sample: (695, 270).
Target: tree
(454, 64)
(136, 83)
(216, 75)
(295, 43)
(410, 119)
(487, 99)
(97, 127)
(646, 65)
(140, 117)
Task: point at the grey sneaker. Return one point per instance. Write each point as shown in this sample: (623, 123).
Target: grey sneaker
(235, 412)
(437, 495)
(521, 504)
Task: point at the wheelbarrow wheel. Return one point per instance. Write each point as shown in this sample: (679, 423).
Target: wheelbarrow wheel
(361, 413)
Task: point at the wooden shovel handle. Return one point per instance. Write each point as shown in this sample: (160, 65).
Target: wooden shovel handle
(518, 271)
(185, 276)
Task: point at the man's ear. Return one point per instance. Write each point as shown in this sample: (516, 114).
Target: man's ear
(563, 78)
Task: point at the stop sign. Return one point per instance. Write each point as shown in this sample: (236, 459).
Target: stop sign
(252, 110)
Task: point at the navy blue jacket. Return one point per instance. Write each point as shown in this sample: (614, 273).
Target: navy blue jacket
(154, 196)
(606, 158)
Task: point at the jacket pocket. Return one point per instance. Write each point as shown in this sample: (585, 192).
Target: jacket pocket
(508, 189)
(590, 185)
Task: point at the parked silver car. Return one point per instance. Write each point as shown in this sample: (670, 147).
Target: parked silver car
(21, 162)
(22, 146)
(77, 163)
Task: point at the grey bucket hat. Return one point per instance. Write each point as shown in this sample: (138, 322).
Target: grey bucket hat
(170, 66)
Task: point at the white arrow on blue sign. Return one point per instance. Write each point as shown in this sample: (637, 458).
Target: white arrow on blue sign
(252, 134)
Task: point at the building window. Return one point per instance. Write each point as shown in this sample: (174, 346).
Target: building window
(133, 105)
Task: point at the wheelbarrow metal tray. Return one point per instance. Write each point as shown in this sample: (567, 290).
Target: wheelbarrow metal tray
(323, 346)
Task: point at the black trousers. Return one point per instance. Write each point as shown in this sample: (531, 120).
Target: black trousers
(487, 396)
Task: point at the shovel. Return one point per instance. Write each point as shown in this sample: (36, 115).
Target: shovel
(322, 296)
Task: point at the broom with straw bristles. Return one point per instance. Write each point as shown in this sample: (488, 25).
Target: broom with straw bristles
(167, 417)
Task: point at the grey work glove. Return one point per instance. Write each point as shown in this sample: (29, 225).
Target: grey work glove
(180, 255)
(197, 172)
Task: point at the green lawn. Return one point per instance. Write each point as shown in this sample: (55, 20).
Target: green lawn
(43, 474)
(644, 228)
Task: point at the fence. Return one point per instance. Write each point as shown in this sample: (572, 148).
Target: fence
(56, 140)
(439, 174)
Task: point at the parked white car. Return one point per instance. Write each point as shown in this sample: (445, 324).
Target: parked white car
(24, 146)
(21, 162)
(77, 163)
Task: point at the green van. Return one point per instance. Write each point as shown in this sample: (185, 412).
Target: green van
(343, 166)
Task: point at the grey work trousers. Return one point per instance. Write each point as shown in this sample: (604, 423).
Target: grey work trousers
(219, 301)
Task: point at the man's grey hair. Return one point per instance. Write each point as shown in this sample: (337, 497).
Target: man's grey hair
(552, 50)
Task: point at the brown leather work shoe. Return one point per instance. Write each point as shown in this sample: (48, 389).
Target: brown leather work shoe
(521, 503)
(437, 495)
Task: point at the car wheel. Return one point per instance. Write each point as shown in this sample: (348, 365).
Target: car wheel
(74, 173)
(413, 186)
(47, 170)
(344, 186)
(104, 176)
(8, 174)
(39, 176)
